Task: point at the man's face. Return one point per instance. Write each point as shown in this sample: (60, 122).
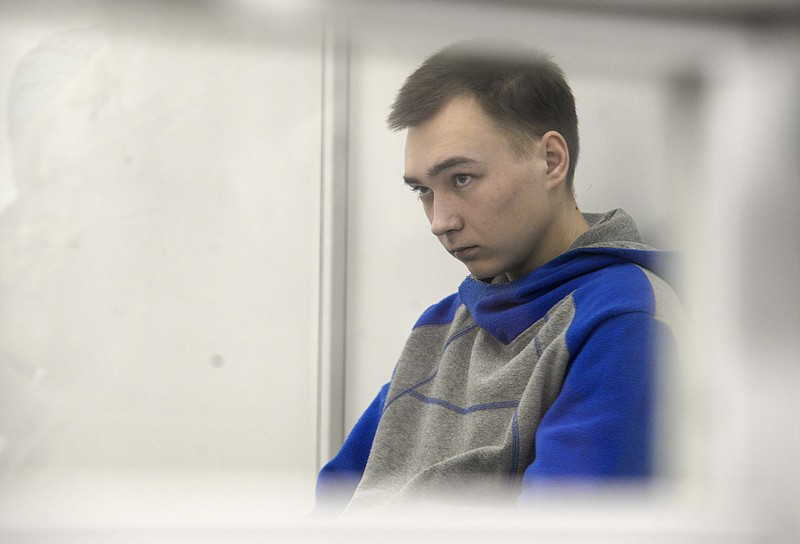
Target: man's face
(489, 208)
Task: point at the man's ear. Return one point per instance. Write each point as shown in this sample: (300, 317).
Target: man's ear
(557, 156)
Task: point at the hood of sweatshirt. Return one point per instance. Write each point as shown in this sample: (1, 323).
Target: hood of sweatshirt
(506, 308)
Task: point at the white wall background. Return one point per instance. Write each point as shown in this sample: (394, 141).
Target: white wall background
(209, 262)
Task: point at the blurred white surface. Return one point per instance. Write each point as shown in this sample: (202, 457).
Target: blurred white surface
(159, 261)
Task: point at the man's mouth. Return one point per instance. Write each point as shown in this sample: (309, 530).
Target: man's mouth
(464, 252)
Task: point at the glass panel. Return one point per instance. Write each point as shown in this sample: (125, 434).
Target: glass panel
(159, 249)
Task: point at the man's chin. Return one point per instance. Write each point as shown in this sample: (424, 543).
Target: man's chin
(482, 273)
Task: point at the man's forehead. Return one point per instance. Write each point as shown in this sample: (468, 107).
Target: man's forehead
(449, 142)
(459, 128)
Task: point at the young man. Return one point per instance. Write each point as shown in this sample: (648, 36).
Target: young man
(542, 367)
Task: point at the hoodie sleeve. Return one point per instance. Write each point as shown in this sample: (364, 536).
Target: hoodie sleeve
(600, 426)
(339, 478)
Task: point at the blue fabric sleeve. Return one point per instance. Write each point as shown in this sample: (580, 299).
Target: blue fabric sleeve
(601, 424)
(339, 478)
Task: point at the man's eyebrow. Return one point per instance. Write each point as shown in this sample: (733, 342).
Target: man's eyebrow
(450, 162)
(441, 166)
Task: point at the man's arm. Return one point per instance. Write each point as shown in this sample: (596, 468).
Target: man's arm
(339, 478)
(601, 425)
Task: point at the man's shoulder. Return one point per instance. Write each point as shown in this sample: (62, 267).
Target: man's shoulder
(622, 288)
(441, 313)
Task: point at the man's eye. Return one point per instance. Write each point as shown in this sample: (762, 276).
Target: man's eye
(463, 179)
(420, 190)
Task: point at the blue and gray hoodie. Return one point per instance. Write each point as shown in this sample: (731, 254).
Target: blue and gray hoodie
(504, 387)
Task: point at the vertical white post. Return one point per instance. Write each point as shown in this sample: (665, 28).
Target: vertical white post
(333, 239)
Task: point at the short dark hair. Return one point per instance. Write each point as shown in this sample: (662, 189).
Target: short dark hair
(521, 89)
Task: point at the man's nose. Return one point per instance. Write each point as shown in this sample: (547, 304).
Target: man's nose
(444, 215)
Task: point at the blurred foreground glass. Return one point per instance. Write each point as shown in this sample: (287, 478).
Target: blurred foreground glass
(158, 251)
